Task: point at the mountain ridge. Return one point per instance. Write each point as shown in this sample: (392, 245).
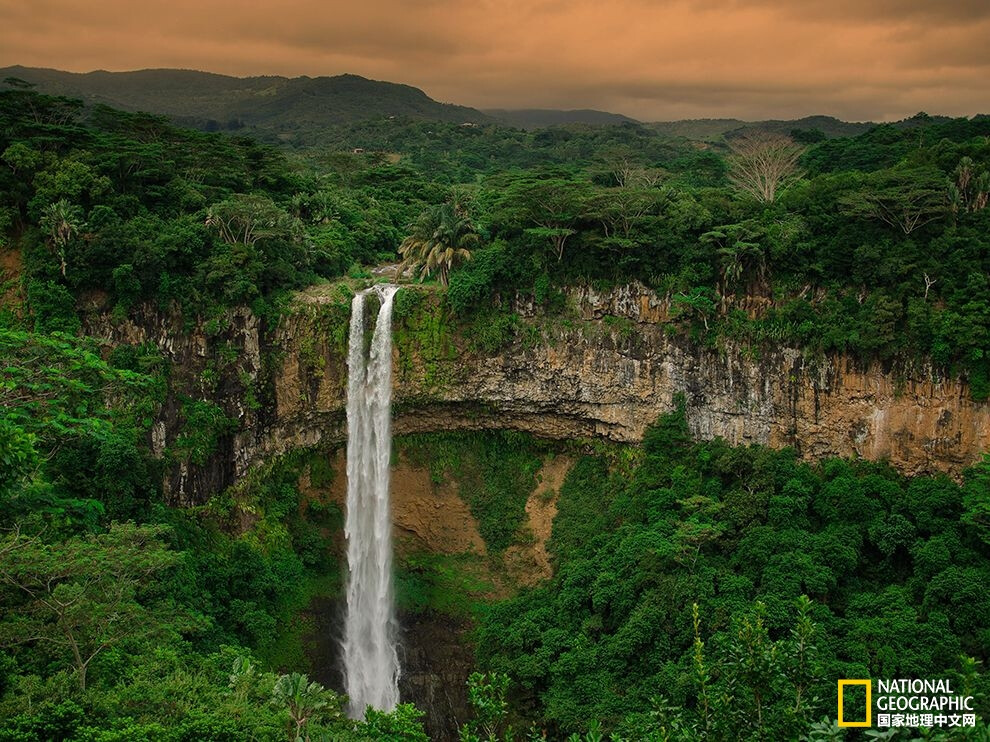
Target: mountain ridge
(270, 102)
(294, 109)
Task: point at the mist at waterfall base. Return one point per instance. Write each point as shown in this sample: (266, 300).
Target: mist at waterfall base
(371, 661)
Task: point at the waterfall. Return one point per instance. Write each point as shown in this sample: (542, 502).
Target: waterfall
(371, 661)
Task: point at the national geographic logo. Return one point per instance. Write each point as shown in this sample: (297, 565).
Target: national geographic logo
(904, 703)
(868, 722)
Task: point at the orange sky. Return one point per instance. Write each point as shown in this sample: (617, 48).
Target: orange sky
(855, 59)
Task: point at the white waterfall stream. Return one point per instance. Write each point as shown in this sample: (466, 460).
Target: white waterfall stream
(371, 661)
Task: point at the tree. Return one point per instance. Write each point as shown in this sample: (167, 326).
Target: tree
(18, 458)
(749, 687)
(441, 237)
(761, 163)
(904, 198)
(262, 248)
(245, 219)
(969, 191)
(62, 221)
(85, 595)
(625, 172)
(553, 204)
(486, 694)
(977, 498)
(739, 252)
(699, 302)
(21, 158)
(58, 387)
(626, 212)
(303, 699)
(402, 724)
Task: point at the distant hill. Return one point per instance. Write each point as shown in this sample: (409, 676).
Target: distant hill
(713, 129)
(698, 129)
(303, 110)
(538, 118)
(283, 107)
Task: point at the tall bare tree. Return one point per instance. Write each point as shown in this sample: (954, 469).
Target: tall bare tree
(761, 163)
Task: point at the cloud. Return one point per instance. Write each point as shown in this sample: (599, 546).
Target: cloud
(651, 60)
(857, 11)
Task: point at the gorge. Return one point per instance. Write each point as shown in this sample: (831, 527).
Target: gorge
(605, 370)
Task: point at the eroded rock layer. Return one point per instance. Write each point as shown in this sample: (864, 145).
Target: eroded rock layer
(607, 368)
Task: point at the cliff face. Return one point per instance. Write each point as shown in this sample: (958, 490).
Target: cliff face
(608, 368)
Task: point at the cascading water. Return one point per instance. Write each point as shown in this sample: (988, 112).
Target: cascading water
(371, 660)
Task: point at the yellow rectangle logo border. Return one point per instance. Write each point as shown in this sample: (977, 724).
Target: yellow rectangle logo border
(869, 705)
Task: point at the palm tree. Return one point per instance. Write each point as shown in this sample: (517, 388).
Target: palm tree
(440, 238)
(303, 699)
(970, 190)
(62, 220)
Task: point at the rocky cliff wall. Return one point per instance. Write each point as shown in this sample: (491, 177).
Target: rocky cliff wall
(608, 367)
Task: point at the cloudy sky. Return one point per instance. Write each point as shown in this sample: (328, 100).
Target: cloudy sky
(654, 60)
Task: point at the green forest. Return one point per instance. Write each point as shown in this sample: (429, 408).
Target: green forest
(699, 591)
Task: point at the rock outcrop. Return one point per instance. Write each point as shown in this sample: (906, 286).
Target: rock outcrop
(607, 368)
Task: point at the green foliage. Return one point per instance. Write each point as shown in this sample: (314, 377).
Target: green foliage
(677, 565)
(423, 332)
(580, 518)
(53, 308)
(224, 696)
(902, 198)
(406, 304)
(740, 533)
(84, 418)
(18, 457)
(976, 499)
(451, 584)
(490, 331)
(873, 260)
(495, 471)
(440, 239)
(699, 303)
(749, 687)
(126, 203)
(303, 700)
(321, 472)
(204, 424)
(486, 694)
(84, 596)
(401, 725)
(109, 201)
(472, 286)
(56, 386)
